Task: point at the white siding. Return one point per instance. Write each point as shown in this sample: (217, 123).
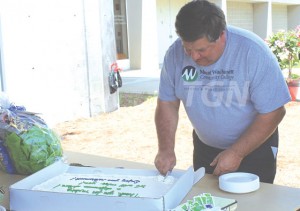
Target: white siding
(240, 14)
(279, 17)
(166, 15)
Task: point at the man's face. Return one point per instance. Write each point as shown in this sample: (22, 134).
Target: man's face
(203, 52)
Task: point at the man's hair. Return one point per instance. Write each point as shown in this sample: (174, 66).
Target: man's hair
(198, 19)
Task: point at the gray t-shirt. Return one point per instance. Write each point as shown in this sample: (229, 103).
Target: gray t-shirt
(222, 99)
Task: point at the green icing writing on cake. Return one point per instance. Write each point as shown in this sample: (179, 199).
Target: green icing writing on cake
(125, 185)
(140, 186)
(98, 187)
(108, 184)
(122, 194)
(88, 183)
(109, 193)
(122, 187)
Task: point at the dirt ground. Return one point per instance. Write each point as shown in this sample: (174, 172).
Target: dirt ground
(129, 134)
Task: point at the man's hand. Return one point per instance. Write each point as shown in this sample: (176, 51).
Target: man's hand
(226, 161)
(166, 120)
(263, 126)
(165, 161)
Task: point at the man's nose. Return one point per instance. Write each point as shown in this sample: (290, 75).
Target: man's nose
(195, 55)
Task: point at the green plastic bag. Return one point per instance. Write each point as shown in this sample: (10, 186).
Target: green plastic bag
(30, 144)
(33, 149)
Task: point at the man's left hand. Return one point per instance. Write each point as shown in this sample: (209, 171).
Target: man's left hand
(226, 161)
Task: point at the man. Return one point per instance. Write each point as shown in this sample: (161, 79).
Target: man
(233, 92)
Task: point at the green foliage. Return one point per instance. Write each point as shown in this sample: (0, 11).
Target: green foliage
(295, 76)
(286, 47)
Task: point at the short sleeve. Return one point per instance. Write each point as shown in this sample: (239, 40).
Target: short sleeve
(167, 77)
(268, 88)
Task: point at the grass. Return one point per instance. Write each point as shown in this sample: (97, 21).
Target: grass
(131, 99)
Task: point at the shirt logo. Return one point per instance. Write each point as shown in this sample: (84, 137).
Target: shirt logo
(189, 74)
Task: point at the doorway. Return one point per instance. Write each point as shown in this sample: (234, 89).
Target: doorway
(121, 34)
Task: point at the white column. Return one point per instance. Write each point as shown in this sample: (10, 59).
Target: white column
(149, 59)
(222, 4)
(142, 34)
(262, 23)
(134, 27)
(293, 16)
(100, 54)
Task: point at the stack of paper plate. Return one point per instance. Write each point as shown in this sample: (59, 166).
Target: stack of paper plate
(239, 182)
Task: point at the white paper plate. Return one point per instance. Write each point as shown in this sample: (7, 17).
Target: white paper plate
(239, 182)
(2, 208)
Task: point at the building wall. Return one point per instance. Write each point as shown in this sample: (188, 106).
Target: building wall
(259, 16)
(56, 56)
(166, 15)
(279, 17)
(293, 16)
(240, 14)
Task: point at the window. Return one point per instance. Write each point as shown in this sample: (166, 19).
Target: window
(121, 29)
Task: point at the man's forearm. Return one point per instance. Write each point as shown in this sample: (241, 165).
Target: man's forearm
(166, 120)
(262, 128)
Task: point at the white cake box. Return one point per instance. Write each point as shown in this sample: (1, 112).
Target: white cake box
(24, 198)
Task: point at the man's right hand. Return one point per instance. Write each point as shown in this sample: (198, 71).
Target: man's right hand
(166, 120)
(165, 161)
